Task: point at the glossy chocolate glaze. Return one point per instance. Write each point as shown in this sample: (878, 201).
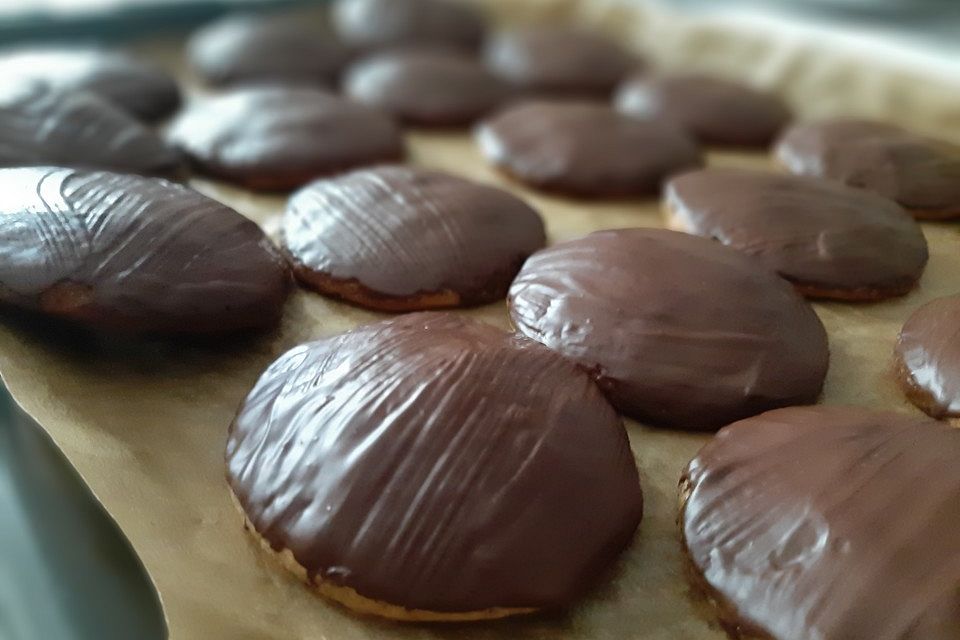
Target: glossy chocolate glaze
(400, 231)
(421, 87)
(819, 234)
(679, 330)
(921, 174)
(558, 61)
(829, 522)
(437, 463)
(714, 110)
(928, 355)
(136, 87)
(584, 149)
(251, 48)
(274, 137)
(143, 254)
(43, 126)
(373, 24)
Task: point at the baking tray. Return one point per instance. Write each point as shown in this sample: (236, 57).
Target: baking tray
(69, 574)
(144, 422)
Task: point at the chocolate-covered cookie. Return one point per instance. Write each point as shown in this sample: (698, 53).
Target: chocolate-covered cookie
(828, 522)
(136, 87)
(921, 174)
(551, 61)
(400, 238)
(44, 126)
(426, 88)
(714, 110)
(927, 357)
(584, 149)
(252, 48)
(375, 24)
(830, 240)
(433, 467)
(140, 254)
(277, 138)
(678, 330)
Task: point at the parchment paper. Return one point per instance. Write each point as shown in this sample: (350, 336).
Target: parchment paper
(145, 422)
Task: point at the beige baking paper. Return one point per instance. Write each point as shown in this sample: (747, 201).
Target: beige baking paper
(145, 424)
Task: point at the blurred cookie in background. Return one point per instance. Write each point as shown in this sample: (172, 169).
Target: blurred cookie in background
(920, 173)
(143, 90)
(433, 88)
(249, 48)
(377, 24)
(558, 61)
(278, 138)
(584, 148)
(44, 126)
(715, 111)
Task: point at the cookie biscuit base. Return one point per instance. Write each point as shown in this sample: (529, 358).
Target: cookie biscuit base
(353, 292)
(918, 396)
(358, 603)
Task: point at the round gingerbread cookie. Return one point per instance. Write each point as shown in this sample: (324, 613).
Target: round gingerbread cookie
(558, 61)
(279, 138)
(44, 126)
(584, 149)
(251, 48)
(678, 330)
(401, 238)
(827, 522)
(434, 467)
(921, 174)
(119, 251)
(378, 24)
(829, 240)
(927, 357)
(142, 90)
(716, 111)
(425, 87)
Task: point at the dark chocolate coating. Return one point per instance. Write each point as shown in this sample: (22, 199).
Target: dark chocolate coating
(836, 523)
(921, 174)
(714, 110)
(374, 24)
(558, 61)
(400, 231)
(142, 90)
(276, 137)
(585, 149)
(251, 48)
(928, 352)
(679, 330)
(438, 463)
(819, 234)
(141, 254)
(43, 126)
(427, 88)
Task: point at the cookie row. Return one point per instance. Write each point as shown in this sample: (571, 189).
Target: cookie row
(116, 250)
(281, 136)
(831, 241)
